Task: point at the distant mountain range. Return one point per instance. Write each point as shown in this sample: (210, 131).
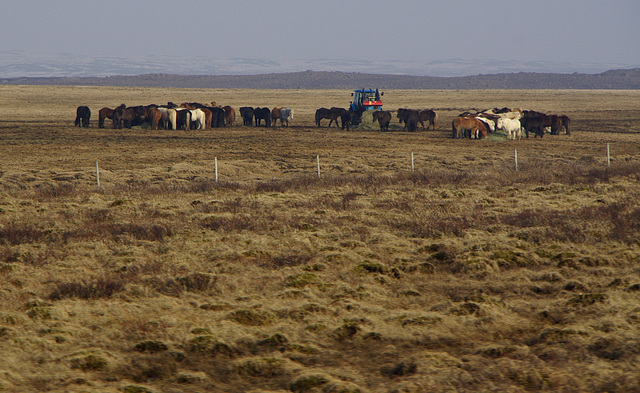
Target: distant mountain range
(163, 71)
(15, 64)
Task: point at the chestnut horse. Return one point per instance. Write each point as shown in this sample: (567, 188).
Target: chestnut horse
(230, 115)
(104, 113)
(468, 127)
(154, 115)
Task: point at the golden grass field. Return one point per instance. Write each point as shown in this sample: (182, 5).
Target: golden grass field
(462, 276)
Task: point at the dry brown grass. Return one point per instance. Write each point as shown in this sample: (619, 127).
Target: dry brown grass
(465, 275)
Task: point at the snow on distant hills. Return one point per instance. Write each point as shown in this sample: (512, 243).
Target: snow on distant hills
(18, 64)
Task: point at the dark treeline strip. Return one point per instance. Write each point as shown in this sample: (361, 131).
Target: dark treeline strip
(614, 79)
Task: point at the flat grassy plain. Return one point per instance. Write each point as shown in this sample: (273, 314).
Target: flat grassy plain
(463, 275)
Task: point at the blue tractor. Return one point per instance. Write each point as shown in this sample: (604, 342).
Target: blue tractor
(364, 100)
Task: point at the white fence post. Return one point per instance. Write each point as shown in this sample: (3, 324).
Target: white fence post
(515, 158)
(97, 174)
(412, 164)
(608, 156)
(215, 164)
(318, 162)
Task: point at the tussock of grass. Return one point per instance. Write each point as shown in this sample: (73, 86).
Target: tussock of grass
(95, 289)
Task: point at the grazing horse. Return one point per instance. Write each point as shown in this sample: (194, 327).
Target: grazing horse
(123, 117)
(468, 126)
(532, 123)
(410, 118)
(154, 115)
(83, 115)
(218, 116)
(286, 114)
(208, 116)
(246, 112)
(203, 122)
(104, 113)
(383, 118)
(332, 114)
(191, 105)
(183, 118)
(230, 115)
(512, 127)
(321, 113)
(430, 116)
(347, 118)
(168, 117)
(262, 114)
(199, 118)
(556, 124)
(275, 115)
(490, 121)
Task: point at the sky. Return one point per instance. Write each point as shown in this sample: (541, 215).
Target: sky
(572, 31)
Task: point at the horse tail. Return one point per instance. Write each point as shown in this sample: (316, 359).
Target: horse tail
(454, 130)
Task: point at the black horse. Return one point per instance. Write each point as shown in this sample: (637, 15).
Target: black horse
(218, 116)
(247, 115)
(383, 118)
(410, 118)
(262, 113)
(83, 115)
(533, 123)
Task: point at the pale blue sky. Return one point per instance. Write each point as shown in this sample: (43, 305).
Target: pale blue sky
(558, 30)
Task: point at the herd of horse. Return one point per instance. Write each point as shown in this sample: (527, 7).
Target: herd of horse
(187, 116)
(410, 118)
(513, 122)
(193, 115)
(270, 116)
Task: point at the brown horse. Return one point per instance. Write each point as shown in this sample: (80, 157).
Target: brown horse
(154, 116)
(123, 117)
(104, 113)
(230, 115)
(383, 118)
(275, 115)
(468, 127)
(332, 114)
(410, 118)
(430, 116)
(208, 117)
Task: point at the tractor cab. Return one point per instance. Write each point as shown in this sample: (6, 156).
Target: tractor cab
(364, 100)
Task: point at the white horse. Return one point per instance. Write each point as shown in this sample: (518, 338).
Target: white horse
(168, 116)
(512, 127)
(489, 121)
(286, 114)
(198, 116)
